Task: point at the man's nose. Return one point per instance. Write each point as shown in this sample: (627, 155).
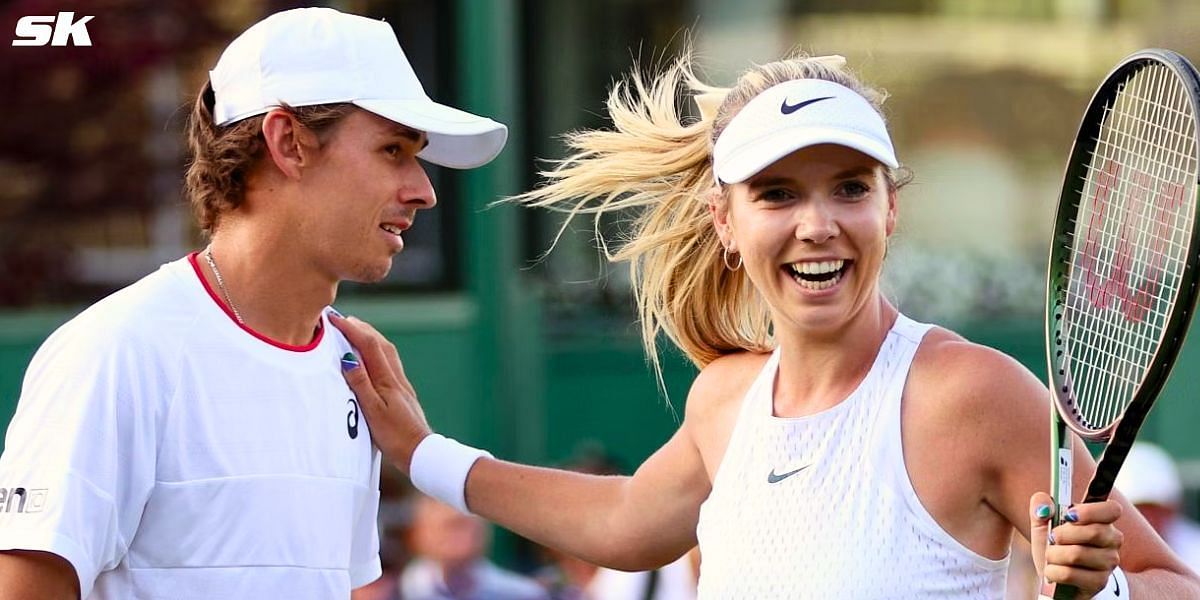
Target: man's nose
(416, 190)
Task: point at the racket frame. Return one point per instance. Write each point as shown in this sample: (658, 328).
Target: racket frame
(1121, 432)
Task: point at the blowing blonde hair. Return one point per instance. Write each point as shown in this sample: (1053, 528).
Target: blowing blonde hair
(659, 163)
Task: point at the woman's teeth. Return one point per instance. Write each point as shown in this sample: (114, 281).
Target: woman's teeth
(818, 275)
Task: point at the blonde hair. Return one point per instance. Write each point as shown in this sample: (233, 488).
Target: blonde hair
(659, 163)
(223, 155)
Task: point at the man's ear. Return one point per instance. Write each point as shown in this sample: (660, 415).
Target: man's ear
(289, 144)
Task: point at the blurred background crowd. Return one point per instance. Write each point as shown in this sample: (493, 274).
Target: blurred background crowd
(430, 551)
(528, 354)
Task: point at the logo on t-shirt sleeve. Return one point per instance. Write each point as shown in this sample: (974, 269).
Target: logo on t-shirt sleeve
(21, 500)
(352, 419)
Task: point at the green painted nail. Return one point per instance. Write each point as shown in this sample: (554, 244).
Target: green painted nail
(1043, 511)
(349, 361)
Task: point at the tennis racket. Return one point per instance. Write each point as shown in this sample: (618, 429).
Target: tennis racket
(1121, 282)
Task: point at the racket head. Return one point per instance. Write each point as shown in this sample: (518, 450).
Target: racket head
(1121, 280)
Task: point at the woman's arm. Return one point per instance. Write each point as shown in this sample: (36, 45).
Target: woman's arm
(1011, 432)
(632, 523)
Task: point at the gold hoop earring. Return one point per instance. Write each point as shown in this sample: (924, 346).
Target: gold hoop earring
(725, 259)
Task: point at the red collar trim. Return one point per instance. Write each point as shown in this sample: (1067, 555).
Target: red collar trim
(316, 341)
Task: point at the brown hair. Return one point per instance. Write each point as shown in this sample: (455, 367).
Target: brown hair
(659, 164)
(223, 156)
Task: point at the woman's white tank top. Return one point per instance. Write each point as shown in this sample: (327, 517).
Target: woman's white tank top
(821, 506)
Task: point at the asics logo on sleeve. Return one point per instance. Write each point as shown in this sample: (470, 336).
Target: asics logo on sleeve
(773, 478)
(788, 109)
(352, 419)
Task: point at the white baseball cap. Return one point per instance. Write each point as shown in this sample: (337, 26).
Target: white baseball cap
(793, 115)
(310, 56)
(1149, 476)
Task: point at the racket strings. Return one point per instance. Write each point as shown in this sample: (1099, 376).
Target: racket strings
(1109, 361)
(1115, 380)
(1127, 246)
(1105, 367)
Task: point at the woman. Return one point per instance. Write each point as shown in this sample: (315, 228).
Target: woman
(830, 445)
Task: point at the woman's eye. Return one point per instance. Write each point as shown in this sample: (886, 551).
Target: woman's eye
(393, 150)
(853, 189)
(775, 195)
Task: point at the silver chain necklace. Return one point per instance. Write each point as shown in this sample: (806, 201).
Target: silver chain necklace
(212, 264)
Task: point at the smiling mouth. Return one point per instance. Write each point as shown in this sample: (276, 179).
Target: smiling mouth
(818, 275)
(392, 229)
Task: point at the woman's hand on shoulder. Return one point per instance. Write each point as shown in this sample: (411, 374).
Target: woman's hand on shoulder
(386, 397)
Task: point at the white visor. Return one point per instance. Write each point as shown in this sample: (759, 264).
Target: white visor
(794, 115)
(309, 56)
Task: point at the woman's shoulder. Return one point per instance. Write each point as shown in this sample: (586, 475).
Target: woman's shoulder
(715, 400)
(973, 419)
(945, 349)
(959, 376)
(722, 383)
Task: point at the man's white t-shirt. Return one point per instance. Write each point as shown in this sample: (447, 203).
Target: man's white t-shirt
(168, 452)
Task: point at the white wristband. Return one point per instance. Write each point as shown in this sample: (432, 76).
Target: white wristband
(439, 468)
(1117, 588)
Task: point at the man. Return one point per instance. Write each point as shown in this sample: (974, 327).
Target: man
(191, 436)
(451, 563)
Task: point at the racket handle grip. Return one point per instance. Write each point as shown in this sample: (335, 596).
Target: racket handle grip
(1068, 596)
(1065, 592)
(1117, 588)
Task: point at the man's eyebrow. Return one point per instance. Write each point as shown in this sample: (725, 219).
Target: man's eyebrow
(408, 133)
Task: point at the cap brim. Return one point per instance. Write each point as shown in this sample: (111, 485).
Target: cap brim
(457, 139)
(745, 164)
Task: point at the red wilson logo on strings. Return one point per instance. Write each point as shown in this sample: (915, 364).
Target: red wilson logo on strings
(1117, 289)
